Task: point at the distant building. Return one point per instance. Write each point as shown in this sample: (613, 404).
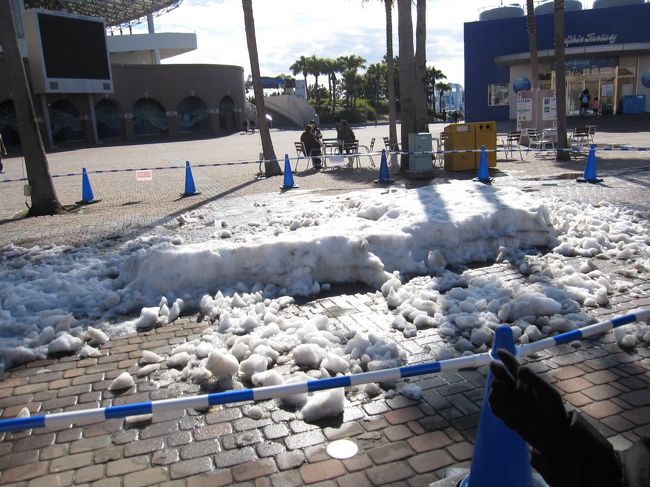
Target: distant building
(144, 99)
(607, 51)
(453, 100)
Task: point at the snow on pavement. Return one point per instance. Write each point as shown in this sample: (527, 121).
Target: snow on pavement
(410, 245)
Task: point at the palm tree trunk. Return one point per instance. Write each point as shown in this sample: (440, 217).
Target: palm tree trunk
(271, 165)
(406, 76)
(421, 68)
(532, 43)
(560, 82)
(392, 109)
(43, 195)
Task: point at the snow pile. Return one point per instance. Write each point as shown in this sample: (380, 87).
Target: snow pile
(299, 246)
(260, 342)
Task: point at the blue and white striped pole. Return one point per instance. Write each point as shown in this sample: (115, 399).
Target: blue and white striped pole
(272, 392)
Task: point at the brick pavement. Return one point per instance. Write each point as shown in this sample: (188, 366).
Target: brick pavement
(401, 442)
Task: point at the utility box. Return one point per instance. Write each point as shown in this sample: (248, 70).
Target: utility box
(486, 134)
(459, 136)
(634, 104)
(420, 142)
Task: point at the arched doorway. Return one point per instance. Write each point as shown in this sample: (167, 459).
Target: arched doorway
(192, 115)
(227, 119)
(65, 122)
(149, 118)
(107, 115)
(9, 124)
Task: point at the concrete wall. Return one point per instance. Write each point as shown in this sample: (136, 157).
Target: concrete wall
(166, 85)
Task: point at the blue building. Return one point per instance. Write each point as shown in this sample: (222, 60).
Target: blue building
(607, 52)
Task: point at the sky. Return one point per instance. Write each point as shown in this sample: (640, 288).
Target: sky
(410, 245)
(325, 28)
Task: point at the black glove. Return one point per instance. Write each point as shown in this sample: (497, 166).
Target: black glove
(526, 403)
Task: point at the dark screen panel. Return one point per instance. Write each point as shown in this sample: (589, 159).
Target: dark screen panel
(73, 48)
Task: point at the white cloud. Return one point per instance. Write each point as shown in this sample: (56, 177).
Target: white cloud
(286, 30)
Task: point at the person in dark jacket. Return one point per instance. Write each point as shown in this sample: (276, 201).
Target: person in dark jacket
(565, 449)
(311, 146)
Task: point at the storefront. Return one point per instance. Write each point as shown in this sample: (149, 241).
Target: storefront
(607, 52)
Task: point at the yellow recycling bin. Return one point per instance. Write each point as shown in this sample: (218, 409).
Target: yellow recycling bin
(486, 134)
(459, 136)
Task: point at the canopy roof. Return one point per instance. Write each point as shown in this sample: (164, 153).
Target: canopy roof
(116, 13)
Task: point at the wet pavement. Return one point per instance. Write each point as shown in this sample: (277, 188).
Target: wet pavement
(401, 441)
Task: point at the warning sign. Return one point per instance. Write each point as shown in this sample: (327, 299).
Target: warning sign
(144, 175)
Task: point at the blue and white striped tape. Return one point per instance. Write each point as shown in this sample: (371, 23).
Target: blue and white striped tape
(360, 154)
(272, 392)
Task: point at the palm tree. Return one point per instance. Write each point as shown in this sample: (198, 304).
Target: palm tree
(301, 66)
(560, 82)
(350, 65)
(43, 195)
(421, 68)
(271, 165)
(442, 88)
(392, 108)
(406, 76)
(532, 43)
(431, 77)
(316, 68)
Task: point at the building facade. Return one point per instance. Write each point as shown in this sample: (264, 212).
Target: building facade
(149, 100)
(607, 52)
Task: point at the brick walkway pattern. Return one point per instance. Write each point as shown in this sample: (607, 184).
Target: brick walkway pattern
(401, 441)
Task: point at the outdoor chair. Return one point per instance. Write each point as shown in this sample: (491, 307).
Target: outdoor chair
(579, 138)
(300, 152)
(512, 143)
(369, 149)
(388, 147)
(539, 141)
(352, 147)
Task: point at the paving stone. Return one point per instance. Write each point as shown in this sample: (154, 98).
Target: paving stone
(358, 462)
(87, 444)
(346, 430)
(390, 452)
(461, 451)
(126, 465)
(404, 415)
(290, 459)
(318, 472)
(269, 448)
(602, 409)
(302, 440)
(389, 473)
(143, 446)
(212, 479)
(179, 438)
(573, 385)
(70, 462)
(58, 479)
(89, 474)
(275, 431)
(399, 432)
(255, 469)
(637, 398)
(212, 431)
(151, 476)
(165, 457)
(429, 441)
(290, 478)
(229, 458)
(601, 392)
(199, 448)
(24, 472)
(187, 468)
(430, 460)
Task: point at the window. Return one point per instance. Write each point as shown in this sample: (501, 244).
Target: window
(498, 95)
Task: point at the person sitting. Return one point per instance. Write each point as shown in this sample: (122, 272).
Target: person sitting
(311, 146)
(344, 133)
(566, 449)
(315, 131)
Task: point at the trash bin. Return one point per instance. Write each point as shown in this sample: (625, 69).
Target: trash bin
(486, 134)
(459, 136)
(420, 142)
